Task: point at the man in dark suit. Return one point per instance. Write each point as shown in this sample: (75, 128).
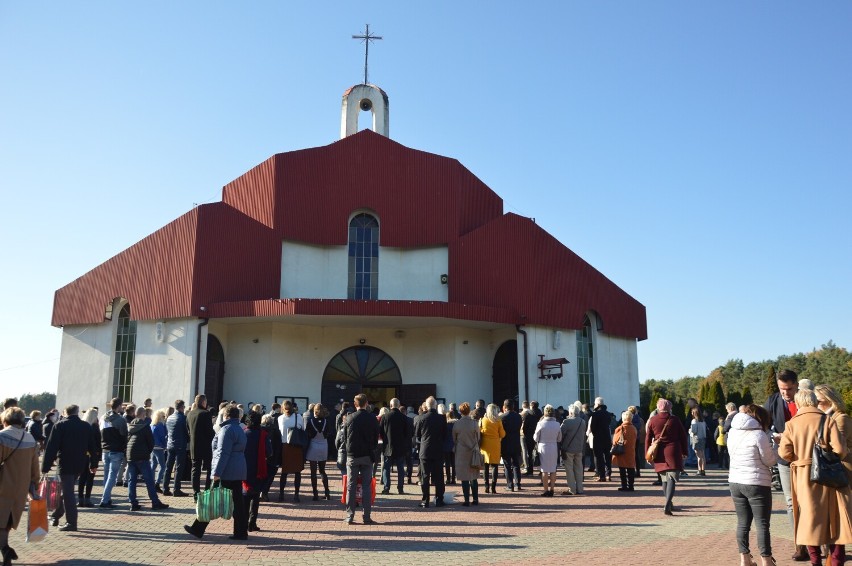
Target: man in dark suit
(510, 446)
(601, 439)
(73, 442)
(430, 430)
(396, 431)
(530, 420)
(199, 422)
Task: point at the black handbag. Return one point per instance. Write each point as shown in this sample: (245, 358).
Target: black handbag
(618, 448)
(297, 436)
(826, 466)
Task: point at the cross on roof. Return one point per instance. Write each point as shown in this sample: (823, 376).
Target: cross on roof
(366, 39)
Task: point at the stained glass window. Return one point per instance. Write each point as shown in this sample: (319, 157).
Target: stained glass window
(363, 257)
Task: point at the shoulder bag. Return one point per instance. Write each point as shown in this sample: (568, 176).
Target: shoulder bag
(651, 453)
(297, 436)
(618, 447)
(826, 466)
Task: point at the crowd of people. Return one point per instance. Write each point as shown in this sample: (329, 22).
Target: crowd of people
(244, 451)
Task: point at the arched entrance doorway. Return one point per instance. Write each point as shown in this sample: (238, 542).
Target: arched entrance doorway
(360, 369)
(505, 372)
(214, 376)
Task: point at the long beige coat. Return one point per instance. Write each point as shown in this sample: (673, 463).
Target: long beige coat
(844, 425)
(821, 514)
(20, 469)
(466, 439)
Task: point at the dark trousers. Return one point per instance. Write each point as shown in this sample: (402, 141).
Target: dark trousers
(627, 476)
(240, 515)
(491, 476)
(431, 474)
(85, 484)
(68, 503)
(450, 466)
(199, 464)
(512, 469)
(389, 462)
(135, 468)
(603, 460)
(176, 459)
(252, 503)
(272, 472)
(753, 503)
(530, 450)
(724, 458)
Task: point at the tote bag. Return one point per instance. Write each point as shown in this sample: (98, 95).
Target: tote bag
(37, 520)
(214, 503)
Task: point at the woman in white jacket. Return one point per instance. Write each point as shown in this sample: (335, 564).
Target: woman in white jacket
(750, 480)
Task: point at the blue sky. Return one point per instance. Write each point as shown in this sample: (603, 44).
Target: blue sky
(698, 154)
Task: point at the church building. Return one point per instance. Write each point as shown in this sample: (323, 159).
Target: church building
(360, 266)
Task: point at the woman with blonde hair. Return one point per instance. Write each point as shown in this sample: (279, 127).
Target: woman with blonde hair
(466, 441)
(319, 427)
(491, 433)
(87, 477)
(292, 456)
(625, 438)
(548, 435)
(821, 514)
(158, 454)
(19, 454)
(832, 405)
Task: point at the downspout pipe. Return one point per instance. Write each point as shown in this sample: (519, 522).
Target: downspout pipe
(526, 362)
(204, 322)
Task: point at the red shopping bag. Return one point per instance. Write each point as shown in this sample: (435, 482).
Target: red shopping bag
(37, 520)
(50, 491)
(359, 492)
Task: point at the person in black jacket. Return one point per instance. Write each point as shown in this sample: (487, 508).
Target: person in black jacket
(601, 439)
(176, 447)
(271, 428)
(396, 430)
(36, 428)
(430, 431)
(360, 436)
(140, 444)
(529, 422)
(199, 421)
(73, 443)
(510, 445)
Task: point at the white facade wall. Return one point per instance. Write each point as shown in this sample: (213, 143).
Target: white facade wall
(615, 362)
(322, 272)
(289, 359)
(162, 370)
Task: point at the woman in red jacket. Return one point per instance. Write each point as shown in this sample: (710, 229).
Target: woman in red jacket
(672, 448)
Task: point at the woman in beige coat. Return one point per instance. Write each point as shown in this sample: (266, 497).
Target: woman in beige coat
(820, 513)
(19, 454)
(466, 440)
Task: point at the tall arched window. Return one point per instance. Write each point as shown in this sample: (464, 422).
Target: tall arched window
(585, 363)
(363, 257)
(125, 352)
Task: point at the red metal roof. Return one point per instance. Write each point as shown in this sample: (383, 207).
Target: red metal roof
(227, 256)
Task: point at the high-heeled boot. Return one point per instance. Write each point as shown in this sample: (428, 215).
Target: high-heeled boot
(314, 486)
(297, 483)
(474, 489)
(325, 486)
(281, 486)
(466, 492)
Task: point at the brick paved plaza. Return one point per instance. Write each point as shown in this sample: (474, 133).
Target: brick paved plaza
(603, 526)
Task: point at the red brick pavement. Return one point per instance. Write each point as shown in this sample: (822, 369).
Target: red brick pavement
(603, 526)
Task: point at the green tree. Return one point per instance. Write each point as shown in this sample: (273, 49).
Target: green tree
(735, 397)
(37, 402)
(770, 383)
(747, 398)
(652, 405)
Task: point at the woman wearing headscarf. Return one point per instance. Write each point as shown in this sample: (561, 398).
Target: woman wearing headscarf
(466, 441)
(258, 450)
(229, 468)
(750, 480)
(671, 449)
(547, 435)
(19, 454)
(491, 433)
(821, 514)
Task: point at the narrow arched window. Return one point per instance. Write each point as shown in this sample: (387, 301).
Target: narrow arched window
(585, 363)
(363, 257)
(125, 352)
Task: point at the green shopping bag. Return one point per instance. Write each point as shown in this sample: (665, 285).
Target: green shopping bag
(214, 503)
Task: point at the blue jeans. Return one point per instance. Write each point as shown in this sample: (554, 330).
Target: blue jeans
(158, 463)
(134, 468)
(112, 463)
(387, 463)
